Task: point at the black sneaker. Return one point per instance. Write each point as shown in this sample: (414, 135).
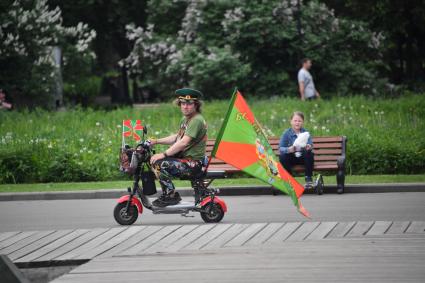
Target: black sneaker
(169, 199)
(159, 200)
(308, 183)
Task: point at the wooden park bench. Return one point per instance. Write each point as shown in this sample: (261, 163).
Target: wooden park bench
(329, 155)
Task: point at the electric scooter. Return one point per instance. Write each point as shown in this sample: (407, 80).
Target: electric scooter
(211, 207)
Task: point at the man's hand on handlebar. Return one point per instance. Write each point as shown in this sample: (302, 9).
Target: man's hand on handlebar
(145, 144)
(148, 143)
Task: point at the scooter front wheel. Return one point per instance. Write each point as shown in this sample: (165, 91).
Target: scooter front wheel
(213, 213)
(124, 218)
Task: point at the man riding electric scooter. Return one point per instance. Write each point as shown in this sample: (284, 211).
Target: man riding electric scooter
(184, 157)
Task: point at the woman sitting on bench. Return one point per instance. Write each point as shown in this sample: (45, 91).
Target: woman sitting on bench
(288, 158)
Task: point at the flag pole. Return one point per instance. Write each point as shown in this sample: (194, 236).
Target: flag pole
(223, 124)
(122, 134)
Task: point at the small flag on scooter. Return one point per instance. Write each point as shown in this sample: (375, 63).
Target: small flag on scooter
(132, 129)
(243, 144)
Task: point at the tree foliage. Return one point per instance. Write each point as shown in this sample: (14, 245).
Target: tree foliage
(29, 30)
(215, 45)
(254, 45)
(403, 25)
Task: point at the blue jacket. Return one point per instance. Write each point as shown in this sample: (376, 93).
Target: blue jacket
(288, 138)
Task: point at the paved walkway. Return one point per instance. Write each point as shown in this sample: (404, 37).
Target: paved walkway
(330, 260)
(359, 251)
(37, 248)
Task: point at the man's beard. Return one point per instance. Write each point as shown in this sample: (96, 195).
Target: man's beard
(189, 114)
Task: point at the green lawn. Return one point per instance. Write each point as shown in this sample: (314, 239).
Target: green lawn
(351, 179)
(385, 135)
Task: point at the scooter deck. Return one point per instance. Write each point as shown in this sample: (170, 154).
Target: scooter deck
(182, 206)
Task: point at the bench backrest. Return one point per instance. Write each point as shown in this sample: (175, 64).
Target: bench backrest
(326, 149)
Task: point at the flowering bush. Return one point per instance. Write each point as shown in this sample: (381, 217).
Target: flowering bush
(214, 70)
(257, 44)
(274, 37)
(29, 31)
(171, 60)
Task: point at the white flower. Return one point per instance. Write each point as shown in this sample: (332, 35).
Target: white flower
(97, 124)
(81, 140)
(323, 128)
(212, 56)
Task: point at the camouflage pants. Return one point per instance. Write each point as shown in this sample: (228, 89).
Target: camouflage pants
(168, 168)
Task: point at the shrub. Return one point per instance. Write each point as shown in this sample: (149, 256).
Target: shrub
(83, 90)
(65, 168)
(384, 136)
(18, 166)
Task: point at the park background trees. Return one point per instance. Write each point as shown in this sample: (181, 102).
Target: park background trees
(156, 46)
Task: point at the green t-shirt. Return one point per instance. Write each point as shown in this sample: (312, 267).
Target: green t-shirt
(196, 128)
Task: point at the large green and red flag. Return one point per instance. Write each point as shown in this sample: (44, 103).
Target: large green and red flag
(132, 129)
(242, 143)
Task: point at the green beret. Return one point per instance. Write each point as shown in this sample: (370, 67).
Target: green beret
(188, 94)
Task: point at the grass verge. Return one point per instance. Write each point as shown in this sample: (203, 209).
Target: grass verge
(80, 186)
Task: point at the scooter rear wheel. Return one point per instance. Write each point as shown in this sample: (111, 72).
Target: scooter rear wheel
(124, 218)
(213, 213)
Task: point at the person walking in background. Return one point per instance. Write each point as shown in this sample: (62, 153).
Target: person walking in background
(305, 81)
(287, 156)
(3, 103)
